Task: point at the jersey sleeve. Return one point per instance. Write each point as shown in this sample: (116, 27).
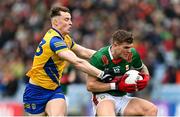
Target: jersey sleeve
(72, 42)
(136, 62)
(73, 45)
(57, 45)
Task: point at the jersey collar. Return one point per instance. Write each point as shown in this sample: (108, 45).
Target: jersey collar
(115, 61)
(58, 33)
(110, 54)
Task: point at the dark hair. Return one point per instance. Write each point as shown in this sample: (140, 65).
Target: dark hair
(55, 10)
(121, 36)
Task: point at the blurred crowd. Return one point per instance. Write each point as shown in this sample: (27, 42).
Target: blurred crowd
(154, 23)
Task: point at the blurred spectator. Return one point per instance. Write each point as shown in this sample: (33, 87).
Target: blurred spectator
(155, 25)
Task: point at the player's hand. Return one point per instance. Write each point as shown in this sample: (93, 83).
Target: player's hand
(141, 84)
(122, 86)
(106, 75)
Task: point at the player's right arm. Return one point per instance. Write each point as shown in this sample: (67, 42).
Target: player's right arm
(58, 46)
(83, 52)
(80, 64)
(93, 85)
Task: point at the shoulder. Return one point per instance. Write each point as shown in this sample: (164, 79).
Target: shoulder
(99, 57)
(56, 39)
(51, 36)
(67, 37)
(52, 33)
(101, 52)
(134, 51)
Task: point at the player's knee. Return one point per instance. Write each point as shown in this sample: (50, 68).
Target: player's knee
(152, 111)
(57, 113)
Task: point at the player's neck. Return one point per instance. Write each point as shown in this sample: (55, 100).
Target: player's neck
(59, 31)
(113, 52)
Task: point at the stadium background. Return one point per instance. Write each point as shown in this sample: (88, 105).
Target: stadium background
(155, 24)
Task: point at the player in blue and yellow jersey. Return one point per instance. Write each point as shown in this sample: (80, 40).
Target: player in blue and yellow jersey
(110, 99)
(43, 94)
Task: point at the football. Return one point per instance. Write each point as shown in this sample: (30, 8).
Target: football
(133, 76)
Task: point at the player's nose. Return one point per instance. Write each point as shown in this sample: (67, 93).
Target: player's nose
(70, 22)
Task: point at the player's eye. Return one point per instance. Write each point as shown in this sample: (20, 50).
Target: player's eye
(66, 19)
(126, 47)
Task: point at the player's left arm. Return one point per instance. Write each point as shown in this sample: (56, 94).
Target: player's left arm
(140, 66)
(83, 52)
(144, 69)
(141, 84)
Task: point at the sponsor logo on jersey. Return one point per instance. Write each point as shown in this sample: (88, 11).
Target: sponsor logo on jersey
(33, 106)
(27, 105)
(59, 44)
(117, 69)
(102, 96)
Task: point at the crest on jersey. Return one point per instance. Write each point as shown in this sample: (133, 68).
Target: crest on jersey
(117, 69)
(127, 67)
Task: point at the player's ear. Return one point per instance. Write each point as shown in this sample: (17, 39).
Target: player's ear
(115, 43)
(55, 22)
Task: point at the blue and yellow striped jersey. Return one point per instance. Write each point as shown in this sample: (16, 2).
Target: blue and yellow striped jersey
(47, 66)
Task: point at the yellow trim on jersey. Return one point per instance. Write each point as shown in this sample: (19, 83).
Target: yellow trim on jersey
(75, 45)
(62, 50)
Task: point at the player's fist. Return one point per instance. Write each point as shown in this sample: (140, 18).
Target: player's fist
(122, 86)
(106, 75)
(141, 84)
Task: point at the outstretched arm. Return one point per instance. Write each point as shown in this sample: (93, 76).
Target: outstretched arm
(80, 64)
(83, 52)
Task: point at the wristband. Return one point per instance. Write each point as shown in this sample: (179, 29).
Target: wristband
(100, 75)
(113, 86)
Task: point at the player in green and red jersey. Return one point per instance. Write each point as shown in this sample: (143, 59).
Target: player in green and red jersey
(110, 98)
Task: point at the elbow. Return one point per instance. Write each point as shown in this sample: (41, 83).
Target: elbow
(90, 86)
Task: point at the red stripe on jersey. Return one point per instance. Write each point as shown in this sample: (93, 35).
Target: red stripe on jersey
(116, 61)
(105, 60)
(95, 99)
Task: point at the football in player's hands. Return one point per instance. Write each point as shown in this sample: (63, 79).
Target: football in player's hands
(141, 84)
(133, 77)
(122, 86)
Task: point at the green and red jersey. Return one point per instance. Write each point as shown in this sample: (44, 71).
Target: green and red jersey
(103, 59)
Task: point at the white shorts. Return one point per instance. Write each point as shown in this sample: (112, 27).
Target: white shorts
(120, 102)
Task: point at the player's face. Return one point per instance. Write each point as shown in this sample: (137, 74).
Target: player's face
(123, 50)
(64, 23)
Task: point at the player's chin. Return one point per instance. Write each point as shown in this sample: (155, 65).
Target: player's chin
(68, 31)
